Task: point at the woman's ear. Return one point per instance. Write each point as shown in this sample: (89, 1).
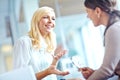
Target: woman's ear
(98, 11)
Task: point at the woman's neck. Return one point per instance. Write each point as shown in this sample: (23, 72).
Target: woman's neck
(44, 35)
(105, 19)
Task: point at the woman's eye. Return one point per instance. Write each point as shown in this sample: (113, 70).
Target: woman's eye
(45, 17)
(53, 18)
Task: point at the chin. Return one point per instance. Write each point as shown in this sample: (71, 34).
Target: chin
(48, 31)
(96, 25)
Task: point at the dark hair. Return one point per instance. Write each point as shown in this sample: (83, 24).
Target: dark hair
(108, 6)
(105, 5)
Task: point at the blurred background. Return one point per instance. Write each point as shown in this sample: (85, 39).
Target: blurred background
(73, 29)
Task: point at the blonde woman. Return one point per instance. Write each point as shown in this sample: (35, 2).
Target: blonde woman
(38, 47)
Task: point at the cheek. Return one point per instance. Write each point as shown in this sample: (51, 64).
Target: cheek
(54, 24)
(90, 15)
(42, 23)
(94, 18)
(96, 21)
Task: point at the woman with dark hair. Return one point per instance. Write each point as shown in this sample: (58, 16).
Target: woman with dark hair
(104, 12)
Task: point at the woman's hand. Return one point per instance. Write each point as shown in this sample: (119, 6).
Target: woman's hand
(52, 69)
(58, 49)
(86, 72)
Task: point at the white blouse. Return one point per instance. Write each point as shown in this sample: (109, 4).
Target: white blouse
(25, 55)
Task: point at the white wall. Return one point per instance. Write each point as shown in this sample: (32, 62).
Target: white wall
(11, 9)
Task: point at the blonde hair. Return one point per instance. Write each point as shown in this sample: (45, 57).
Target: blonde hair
(35, 34)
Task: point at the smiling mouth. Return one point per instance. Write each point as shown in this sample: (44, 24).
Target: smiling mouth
(48, 26)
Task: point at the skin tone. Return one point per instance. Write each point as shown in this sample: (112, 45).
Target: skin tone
(47, 23)
(98, 17)
(86, 72)
(52, 68)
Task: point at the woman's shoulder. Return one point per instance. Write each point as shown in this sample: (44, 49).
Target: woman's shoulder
(114, 31)
(115, 27)
(117, 24)
(24, 40)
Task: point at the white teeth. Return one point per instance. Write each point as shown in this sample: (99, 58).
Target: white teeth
(48, 26)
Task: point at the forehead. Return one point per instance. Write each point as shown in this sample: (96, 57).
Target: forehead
(88, 9)
(50, 13)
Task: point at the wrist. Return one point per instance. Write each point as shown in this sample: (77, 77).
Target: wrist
(48, 72)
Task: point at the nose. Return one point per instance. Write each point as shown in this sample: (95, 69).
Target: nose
(87, 16)
(50, 20)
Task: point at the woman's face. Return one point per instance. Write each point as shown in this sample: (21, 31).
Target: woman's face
(47, 23)
(94, 16)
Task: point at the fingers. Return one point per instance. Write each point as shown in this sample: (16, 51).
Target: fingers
(86, 74)
(52, 70)
(83, 69)
(58, 49)
(58, 56)
(86, 71)
(63, 73)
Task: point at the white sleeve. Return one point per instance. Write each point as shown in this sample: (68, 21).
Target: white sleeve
(112, 55)
(21, 55)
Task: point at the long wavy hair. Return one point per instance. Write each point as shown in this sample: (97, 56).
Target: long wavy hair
(35, 33)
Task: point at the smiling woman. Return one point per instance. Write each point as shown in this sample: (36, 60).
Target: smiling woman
(47, 23)
(37, 48)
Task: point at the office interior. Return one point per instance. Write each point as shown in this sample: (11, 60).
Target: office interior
(73, 29)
